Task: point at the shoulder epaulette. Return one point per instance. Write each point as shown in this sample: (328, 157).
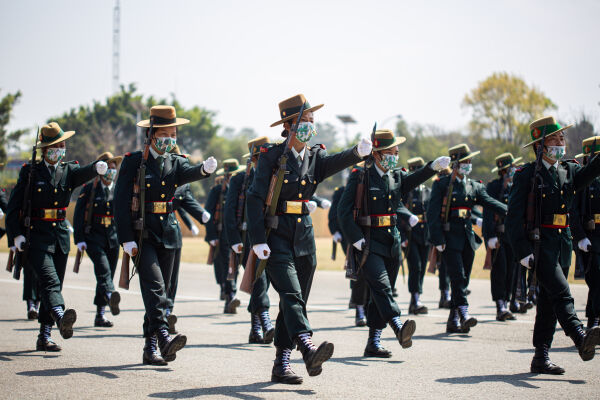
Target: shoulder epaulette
(180, 155)
(127, 154)
(24, 164)
(322, 146)
(337, 188)
(403, 169)
(266, 147)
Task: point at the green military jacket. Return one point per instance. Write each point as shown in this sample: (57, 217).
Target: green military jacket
(46, 235)
(185, 204)
(102, 209)
(384, 241)
(293, 232)
(416, 202)
(160, 229)
(231, 218)
(586, 208)
(465, 194)
(493, 224)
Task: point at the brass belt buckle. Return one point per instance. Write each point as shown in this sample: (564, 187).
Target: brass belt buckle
(160, 207)
(462, 213)
(106, 221)
(50, 213)
(559, 220)
(597, 218)
(384, 220)
(293, 207)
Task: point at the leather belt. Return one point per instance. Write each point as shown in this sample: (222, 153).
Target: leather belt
(555, 221)
(49, 214)
(105, 220)
(299, 207)
(378, 221)
(159, 207)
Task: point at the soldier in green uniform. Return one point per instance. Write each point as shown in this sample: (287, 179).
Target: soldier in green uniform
(586, 232)
(443, 277)
(385, 187)
(415, 240)
(95, 233)
(160, 233)
(555, 187)
(504, 264)
(451, 230)
(52, 184)
(290, 247)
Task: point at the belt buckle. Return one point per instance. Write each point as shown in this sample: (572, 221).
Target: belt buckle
(462, 213)
(106, 221)
(384, 220)
(50, 213)
(597, 218)
(293, 207)
(160, 207)
(559, 220)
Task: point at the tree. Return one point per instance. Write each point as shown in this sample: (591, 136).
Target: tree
(574, 136)
(503, 106)
(6, 107)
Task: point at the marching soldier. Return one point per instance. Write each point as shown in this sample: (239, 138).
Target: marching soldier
(95, 233)
(451, 230)
(415, 240)
(49, 189)
(440, 265)
(538, 227)
(290, 247)
(384, 188)
(504, 264)
(146, 184)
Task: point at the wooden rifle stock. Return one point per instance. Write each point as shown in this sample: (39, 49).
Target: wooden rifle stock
(247, 283)
(433, 260)
(77, 261)
(232, 271)
(10, 262)
(333, 249)
(487, 264)
(211, 255)
(124, 277)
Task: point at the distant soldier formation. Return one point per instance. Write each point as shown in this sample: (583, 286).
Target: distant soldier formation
(258, 217)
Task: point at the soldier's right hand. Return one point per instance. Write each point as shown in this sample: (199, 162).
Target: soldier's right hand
(214, 242)
(205, 217)
(337, 237)
(130, 248)
(404, 244)
(81, 246)
(359, 244)
(583, 244)
(238, 247)
(440, 247)
(525, 261)
(492, 242)
(262, 250)
(19, 241)
(210, 165)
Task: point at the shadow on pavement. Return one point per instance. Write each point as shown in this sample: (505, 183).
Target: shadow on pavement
(357, 361)
(570, 349)
(452, 337)
(247, 392)
(5, 356)
(104, 371)
(229, 346)
(521, 380)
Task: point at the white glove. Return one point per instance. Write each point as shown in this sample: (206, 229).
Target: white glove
(210, 165)
(262, 251)
(13, 249)
(214, 242)
(583, 244)
(405, 243)
(1, 214)
(195, 230)
(312, 206)
(325, 204)
(493, 243)
(19, 241)
(337, 237)
(441, 247)
(238, 247)
(359, 244)
(364, 147)
(478, 222)
(81, 246)
(205, 217)
(525, 261)
(101, 167)
(413, 220)
(128, 248)
(440, 163)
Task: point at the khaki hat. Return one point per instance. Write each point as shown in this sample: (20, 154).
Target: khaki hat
(290, 108)
(505, 160)
(544, 127)
(230, 166)
(415, 162)
(461, 152)
(162, 117)
(51, 134)
(108, 158)
(256, 143)
(589, 146)
(385, 139)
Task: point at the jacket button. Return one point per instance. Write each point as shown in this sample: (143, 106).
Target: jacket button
(175, 185)
(95, 204)
(161, 217)
(56, 203)
(543, 194)
(285, 181)
(147, 185)
(55, 190)
(54, 224)
(454, 199)
(374, 198)
(299, 195)
(389, 196)
(562, 206)
(389, 208)
(299, 220)
(39, 189)
(591, 196)
(561, 192)
(163, 183)
(389, 230)
(315, 182)
(466, 199)
(559, 231)
(303, 182)
(162, 196)
(108, 212)
(180, 197)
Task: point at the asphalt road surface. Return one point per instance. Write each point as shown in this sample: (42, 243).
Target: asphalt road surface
(105, 363)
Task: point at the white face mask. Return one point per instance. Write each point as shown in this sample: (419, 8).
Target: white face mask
(55, 154)
(305, 131)
(465, 169)
(556, 152)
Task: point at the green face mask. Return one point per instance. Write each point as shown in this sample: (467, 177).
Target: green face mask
(389, 161)
(165, 144)
(305, 131)
(55, 154)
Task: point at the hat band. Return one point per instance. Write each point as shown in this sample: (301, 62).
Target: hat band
(383, 142)
(286, 112)
(46, 139)
(230, 169)
(589, 149)
(162, 121)
(456, 156)
(504, 163)
(536, 133)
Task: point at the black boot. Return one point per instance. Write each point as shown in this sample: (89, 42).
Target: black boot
(113, 301)
(502, 313)
(404, 331)
(541, 363)
(445, 299)
(44, 341)
(453, 324)
(267, 326)
(151, 356)
(222, 294)
(100, 321)
(32, 312)
(64, 321)
(359, 317)
(466, 321)
(586, 342)
(282, 372)
(169, 345)
(416, 307)
(256, 335)
(313, 357)
(510, 316)
(172, 320)
(592, 322)
(394, 292)
(231, 304)
(374, 347)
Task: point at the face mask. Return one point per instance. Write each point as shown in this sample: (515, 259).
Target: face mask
(556, 152)
(305, 131)
(165, 144)
(389, 161)
(54, 154)
(110, 174)
(511, 172)
(465, 169)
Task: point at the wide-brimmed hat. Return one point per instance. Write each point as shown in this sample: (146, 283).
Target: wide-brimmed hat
(461, 152)
(51, 134)
(415, 162)
(256, 143)
(290, 108)
(544, 127)
(505, 160)
(108, 158)
(589, 146)
(385, 139)
(230, 166)
(162, 117)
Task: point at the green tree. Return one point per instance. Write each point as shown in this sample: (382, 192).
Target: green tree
(574, 136)
(7, 103)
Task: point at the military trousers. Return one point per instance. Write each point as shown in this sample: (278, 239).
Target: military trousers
(155, 271)
(105, 263)
(259, 299)
(49, 269)
(172, 289)
(416, 257)
(292, 278)
(359, 290)
(30, 285)
(503, 267)
(221, 266)
(459, 264)
(592, 279)
(380, 274)
(444, 278)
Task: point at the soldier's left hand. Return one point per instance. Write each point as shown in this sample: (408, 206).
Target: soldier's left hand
(210, 165)
(337, 237)
(205, 217)
(214, 242)
(325, 204)
(583, 244)
(404, 244)
(413, 220)
(101, 167)
(478, 222)
(440, 163)
(1, 214)
(195, 230)
(312, 206)
(364, 147)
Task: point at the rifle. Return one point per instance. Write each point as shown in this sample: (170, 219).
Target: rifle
(276, 184)
(25, 217)
(218, 218)
(333, 249)
(87, 217)
(10, 262)
(433, 260)
(409, 237)
(78, 257)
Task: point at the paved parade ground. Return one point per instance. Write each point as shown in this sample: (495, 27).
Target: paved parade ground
(105, 363)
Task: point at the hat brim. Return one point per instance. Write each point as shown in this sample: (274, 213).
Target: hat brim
(178, 121)
(290, 117)
(117, 160)
(548, 135)
(64, 137)
(397, 140)
(515, 161)
(471, 155)
(221, 171)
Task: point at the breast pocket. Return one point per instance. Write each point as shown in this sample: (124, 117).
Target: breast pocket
(289, 188)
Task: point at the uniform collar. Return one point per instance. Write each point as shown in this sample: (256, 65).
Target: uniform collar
(109, 186)
(380, 171)
(301, 154)
(48, 165)
(548, 165)
(155, 153)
